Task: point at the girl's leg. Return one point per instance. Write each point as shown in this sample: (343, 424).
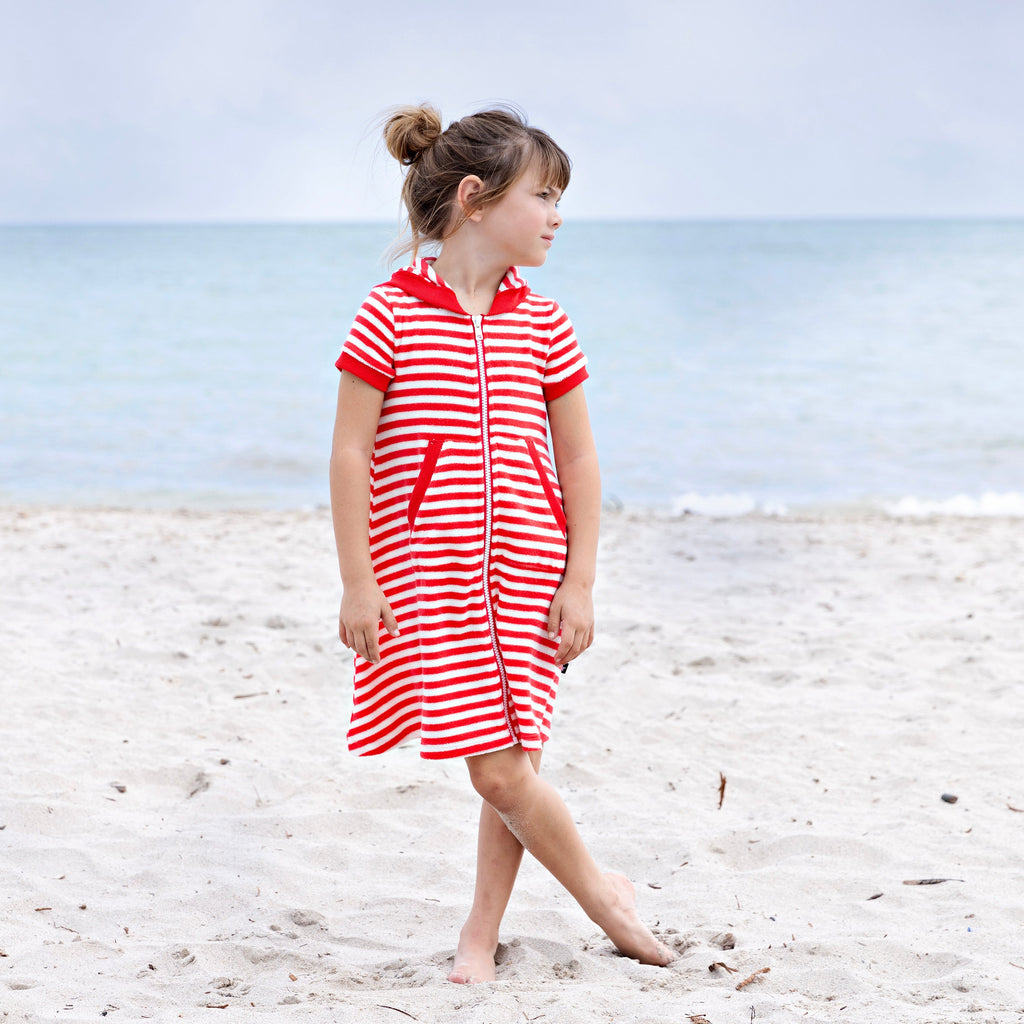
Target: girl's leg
(498, 856)
(536, 815)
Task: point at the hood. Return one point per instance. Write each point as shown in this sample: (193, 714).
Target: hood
(421, 281)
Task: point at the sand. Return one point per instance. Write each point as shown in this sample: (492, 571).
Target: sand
(183, 834)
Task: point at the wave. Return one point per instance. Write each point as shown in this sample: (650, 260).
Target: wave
(988, 504)
(726, 506)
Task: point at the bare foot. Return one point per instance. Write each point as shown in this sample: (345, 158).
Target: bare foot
(623, 926)
(474, 959)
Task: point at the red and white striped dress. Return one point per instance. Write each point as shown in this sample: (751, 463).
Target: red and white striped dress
(467, 530)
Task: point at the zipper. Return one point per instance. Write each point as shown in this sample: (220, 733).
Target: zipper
(481, 363)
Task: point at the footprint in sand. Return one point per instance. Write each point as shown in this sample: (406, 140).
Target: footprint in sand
(671, 938)
(569, 970)
(308, 918)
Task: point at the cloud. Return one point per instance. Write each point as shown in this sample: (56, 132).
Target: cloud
(262, 109)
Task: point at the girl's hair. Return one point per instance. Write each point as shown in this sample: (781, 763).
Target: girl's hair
(496, 145)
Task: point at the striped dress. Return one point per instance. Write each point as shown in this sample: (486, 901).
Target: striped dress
(467, 530)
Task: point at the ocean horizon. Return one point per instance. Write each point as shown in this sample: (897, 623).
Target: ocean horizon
(736, 365)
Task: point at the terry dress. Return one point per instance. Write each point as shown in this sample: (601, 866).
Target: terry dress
(467, 530)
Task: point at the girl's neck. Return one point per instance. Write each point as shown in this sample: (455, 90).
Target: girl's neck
(474, 281)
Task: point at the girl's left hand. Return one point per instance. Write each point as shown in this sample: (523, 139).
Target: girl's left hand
(572, 616)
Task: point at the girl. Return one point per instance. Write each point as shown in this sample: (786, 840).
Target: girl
(479, 558)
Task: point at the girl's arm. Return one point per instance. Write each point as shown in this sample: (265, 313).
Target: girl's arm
(572, 609)
(363, 605)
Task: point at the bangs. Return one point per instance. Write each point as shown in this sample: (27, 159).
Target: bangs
(554, 164)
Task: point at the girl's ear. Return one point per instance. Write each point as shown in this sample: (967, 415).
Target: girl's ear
(469, 189)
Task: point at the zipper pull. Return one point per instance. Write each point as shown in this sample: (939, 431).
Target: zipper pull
(478, 326)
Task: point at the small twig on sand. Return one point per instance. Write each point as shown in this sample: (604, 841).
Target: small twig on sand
(397, 1010)
(747, 981)
(721, 789)
(725, 967)
(929, 881)
(199, 784)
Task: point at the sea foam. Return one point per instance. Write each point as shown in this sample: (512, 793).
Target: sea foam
(724, 505)
(988, 504)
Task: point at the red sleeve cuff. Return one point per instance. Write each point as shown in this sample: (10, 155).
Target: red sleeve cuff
(562, 387)
(346, 361)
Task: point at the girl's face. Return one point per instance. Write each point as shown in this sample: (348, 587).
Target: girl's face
(520, 227)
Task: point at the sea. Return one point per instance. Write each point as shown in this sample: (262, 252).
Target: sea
(736, 366)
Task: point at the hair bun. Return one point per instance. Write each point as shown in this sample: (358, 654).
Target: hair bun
(408, 131)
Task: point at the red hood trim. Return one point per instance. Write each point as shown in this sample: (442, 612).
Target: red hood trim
(441, 295)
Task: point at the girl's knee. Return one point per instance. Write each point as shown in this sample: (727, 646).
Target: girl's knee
(501, 778)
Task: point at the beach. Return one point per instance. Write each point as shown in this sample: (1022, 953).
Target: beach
(783, 721)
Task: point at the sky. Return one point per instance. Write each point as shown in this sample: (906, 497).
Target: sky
(266, 110)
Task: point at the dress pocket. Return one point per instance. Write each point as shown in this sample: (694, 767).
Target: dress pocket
(423, 478)
(554, 502)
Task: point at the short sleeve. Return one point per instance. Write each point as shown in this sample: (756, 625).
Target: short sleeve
(566, 366)
(369, 349)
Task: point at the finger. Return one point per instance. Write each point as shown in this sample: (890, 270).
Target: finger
(580, 644)
(389, 620)
(568, 639)
(554, 619)
(372, 646)
(584, 643)
(359, 644)
(581, 640)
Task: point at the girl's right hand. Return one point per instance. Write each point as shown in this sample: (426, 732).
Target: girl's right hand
(363, 608)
